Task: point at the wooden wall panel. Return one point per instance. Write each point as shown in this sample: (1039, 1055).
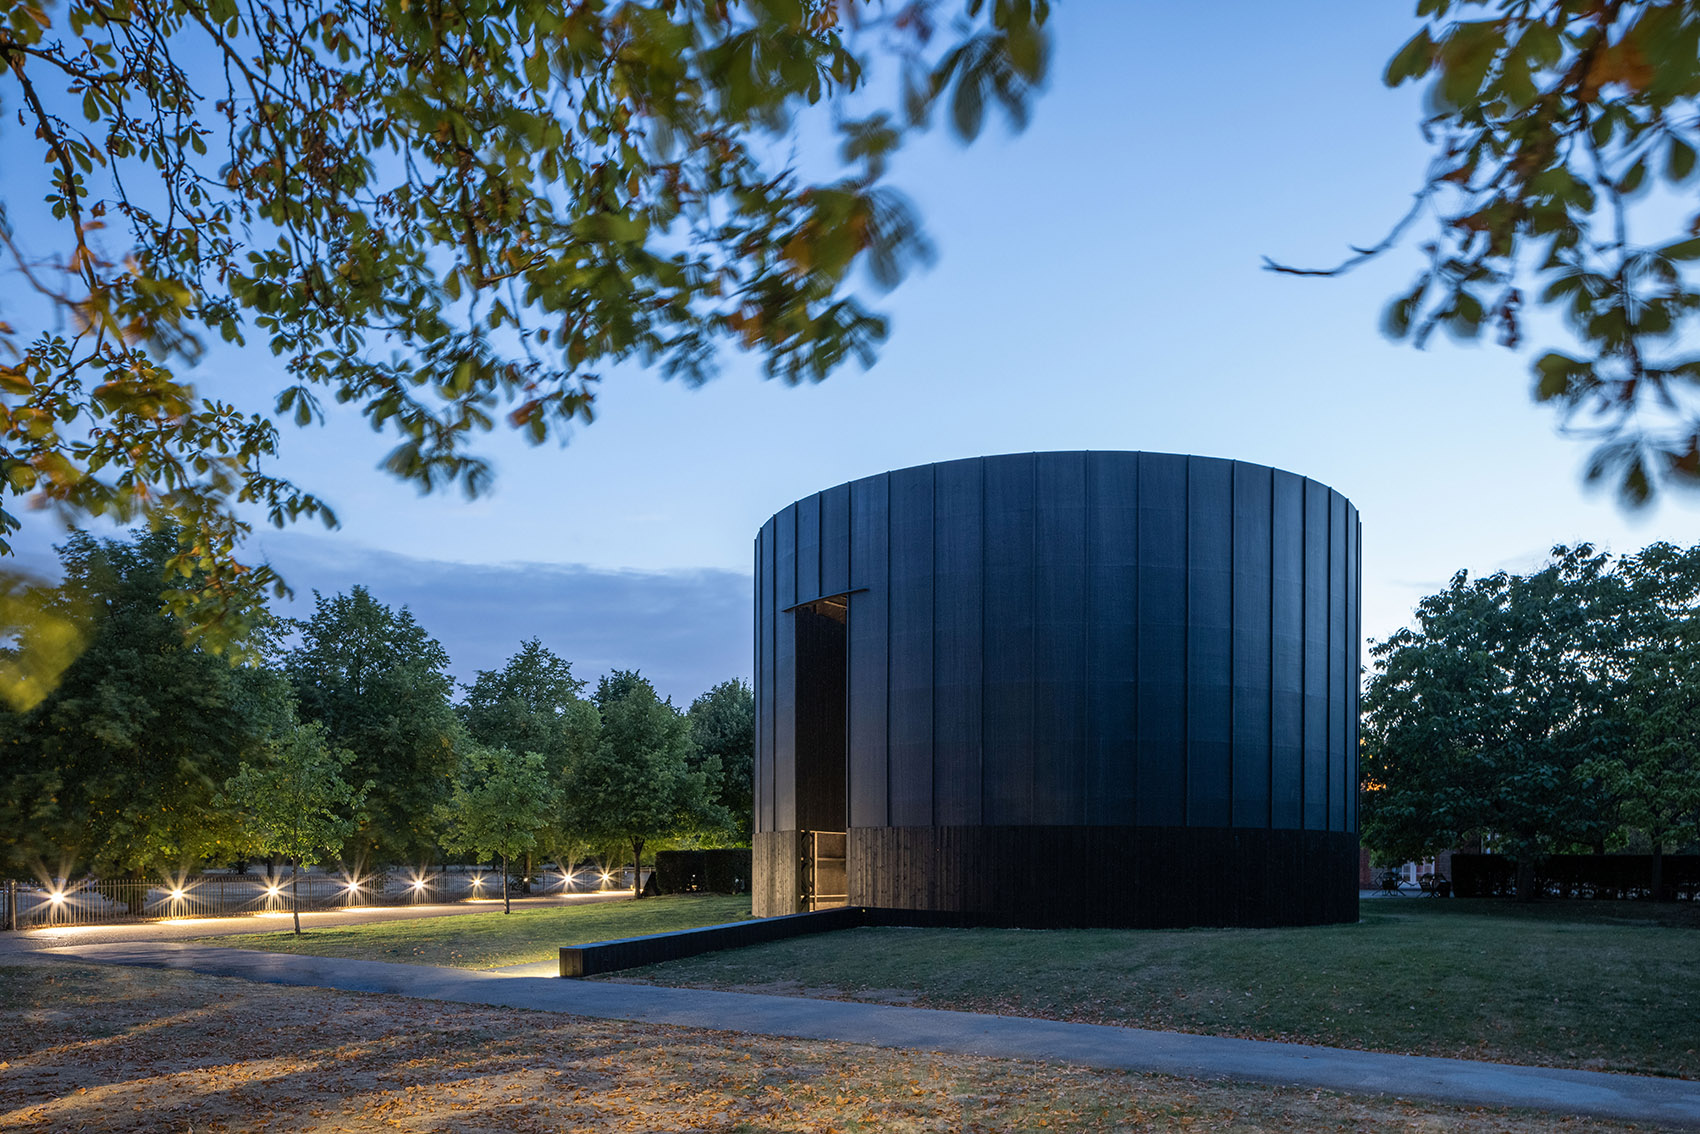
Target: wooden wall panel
(868, 678)
(1007, 739)
(958, 677)
(1059, 640)
(1316, 658)
(1161, 745)
(911, 648)
(1287, 644)
(1252, 616)
(1112, 636)
(1209, 649)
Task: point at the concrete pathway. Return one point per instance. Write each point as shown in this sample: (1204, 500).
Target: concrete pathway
(1668, 1102)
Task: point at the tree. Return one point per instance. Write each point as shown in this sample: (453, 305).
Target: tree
(532, 704)
(723, 728)
(1482, 722)
(501, 801)
(379, 685)
(439, 214)
(1653, 774)
(528, 705)
(1550, 121)
(638, 785)
(117, 769)
(297, 803)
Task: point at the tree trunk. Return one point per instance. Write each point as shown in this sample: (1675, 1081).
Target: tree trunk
(295, 892)
(637, 868)
(1526, 877)
(507, 902)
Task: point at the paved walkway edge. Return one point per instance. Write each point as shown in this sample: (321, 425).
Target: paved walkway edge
(1668, 1102)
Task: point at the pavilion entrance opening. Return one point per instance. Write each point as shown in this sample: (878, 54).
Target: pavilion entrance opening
(821, 738)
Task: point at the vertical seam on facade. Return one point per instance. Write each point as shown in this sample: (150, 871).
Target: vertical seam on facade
(1033, 644)
(1085, 749)
(761, 701)
(1138, 631)
(1186, 642)
(849, 677)
(1304, 654)
(985, 572)
(1328, 675)
(1269, 755)
(933, 642)
(886, 512)
(773, 669)
(1233, 563)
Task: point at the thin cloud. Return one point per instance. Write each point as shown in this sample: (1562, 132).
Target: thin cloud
(686, 630)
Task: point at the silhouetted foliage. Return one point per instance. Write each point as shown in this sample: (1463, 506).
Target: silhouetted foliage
(379, 685)
(117, 769)
(444, 216)
(1548, 123)
(639, 784)
(723, 727)
(1540, 712)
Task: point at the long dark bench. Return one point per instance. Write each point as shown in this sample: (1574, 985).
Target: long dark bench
(633, 952)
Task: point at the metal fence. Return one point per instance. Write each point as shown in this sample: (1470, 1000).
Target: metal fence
(102, 901)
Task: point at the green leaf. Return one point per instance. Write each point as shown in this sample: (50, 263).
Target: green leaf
(1411, 61)
(1679, 160)
(1466, 56)
(1682, 250)
(1632, 178)
(1555, 372)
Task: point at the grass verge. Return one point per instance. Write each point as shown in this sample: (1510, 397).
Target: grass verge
(1602, 986)
(107, 1048)
(487, 941)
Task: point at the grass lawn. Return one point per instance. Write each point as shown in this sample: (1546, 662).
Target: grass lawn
(1596, 985)
(492, 940)
(107, 1048)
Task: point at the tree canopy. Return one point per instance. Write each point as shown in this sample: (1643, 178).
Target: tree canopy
(379, 685)
(723, 729)
(445, 216)
(639, 785)
(531, 704)
(295, 802)
(118, 768)
(1540, 712)
(501, 801)
(1564, 136)
(155, 755)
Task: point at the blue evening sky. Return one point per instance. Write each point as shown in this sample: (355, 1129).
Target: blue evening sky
(1098, 286)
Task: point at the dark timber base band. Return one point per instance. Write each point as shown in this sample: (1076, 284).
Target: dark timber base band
(1056, 877)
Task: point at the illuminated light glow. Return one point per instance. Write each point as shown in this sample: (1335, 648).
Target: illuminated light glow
(177, 895)
(478, 880)
(273, 891)
(419, 883)
(353, 886)
(57, 897)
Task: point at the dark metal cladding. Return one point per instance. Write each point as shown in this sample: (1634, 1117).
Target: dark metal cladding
(1049, 689)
